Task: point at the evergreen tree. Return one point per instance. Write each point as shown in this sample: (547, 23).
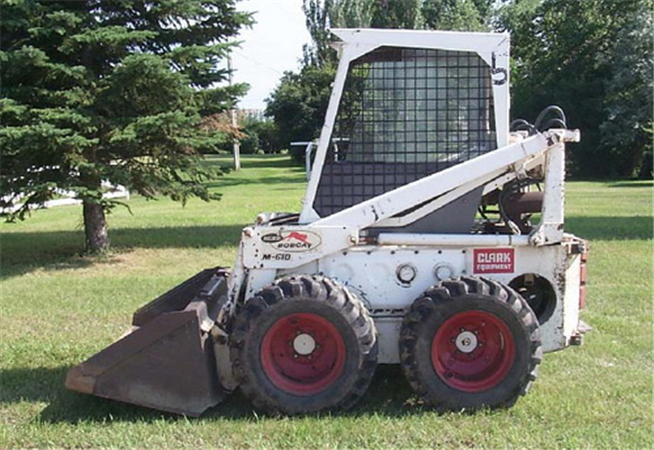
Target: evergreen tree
(111, 91)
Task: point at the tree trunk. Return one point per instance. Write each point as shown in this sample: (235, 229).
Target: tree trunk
(95, 228)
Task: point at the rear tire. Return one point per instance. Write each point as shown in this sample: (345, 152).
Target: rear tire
(470, 343)
(302, 345)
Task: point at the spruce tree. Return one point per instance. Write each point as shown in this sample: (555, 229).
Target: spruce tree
(112, 92)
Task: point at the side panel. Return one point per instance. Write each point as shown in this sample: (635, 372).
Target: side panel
(372, 272)
(376, 273)
(289, 247)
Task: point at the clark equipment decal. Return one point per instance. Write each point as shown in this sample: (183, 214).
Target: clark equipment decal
(292, 241)
(493, 260)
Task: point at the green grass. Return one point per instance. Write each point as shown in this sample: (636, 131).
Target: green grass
(57, 308)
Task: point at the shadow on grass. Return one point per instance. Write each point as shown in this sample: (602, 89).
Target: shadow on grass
(294, 173)
(25, 252)
(270, 161)
(389, 395)
(611, 228)
(46, 385)
(270, 182)
(632, 184)
(273, 161)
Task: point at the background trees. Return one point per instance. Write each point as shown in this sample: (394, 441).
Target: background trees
(594, 58)
(260, 134)
(111, 91)
(299, 103)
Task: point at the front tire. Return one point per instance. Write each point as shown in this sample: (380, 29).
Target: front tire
(302, 345)
(470, 343)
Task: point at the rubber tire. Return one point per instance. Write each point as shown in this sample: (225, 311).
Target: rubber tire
(317, 295)
(451, 297)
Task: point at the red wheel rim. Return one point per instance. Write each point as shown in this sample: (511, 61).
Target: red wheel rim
(303, 354)
(473, 351)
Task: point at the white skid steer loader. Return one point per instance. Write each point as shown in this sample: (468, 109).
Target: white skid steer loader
(415, 246)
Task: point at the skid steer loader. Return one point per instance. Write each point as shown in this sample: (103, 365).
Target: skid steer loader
(431, 236)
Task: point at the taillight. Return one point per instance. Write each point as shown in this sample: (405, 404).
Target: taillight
(582, 279)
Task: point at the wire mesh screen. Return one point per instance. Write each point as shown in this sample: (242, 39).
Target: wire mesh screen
(405, 114)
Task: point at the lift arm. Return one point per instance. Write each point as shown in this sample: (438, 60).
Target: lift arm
(406, 197)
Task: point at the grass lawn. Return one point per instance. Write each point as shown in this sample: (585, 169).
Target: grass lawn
(58, 308)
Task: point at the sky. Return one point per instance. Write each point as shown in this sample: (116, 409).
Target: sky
(273, 45)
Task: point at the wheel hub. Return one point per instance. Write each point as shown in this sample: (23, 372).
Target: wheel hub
(466, 342)
(473, 351)
(304, 344)
(303, 353)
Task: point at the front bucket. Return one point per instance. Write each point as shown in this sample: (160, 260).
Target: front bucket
(167, 362)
